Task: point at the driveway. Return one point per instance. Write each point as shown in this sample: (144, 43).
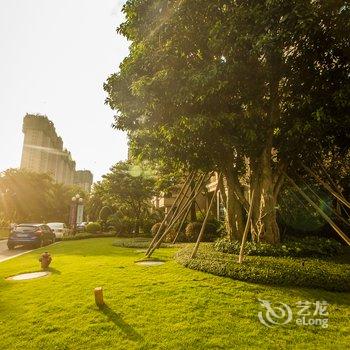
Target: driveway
(6, 254)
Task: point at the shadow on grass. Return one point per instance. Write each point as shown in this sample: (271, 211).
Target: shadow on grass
(119, 322)
(54, 271)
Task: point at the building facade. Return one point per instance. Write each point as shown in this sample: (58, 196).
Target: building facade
(43, 152)
(83, 179)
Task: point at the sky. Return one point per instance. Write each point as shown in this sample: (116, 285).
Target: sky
(54, 58)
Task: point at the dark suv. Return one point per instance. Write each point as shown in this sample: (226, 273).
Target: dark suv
(36, 235)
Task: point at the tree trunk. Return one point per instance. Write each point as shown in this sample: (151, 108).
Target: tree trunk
(256, 186)
(270, 232)
(193, 205)
(234, 211)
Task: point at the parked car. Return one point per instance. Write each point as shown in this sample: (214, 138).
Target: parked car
(81, 226)
(59, 229)
(36, 235)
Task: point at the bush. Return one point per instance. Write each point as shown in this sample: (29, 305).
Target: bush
(84, 235)
(139, 243)
(93, 227)
(122, 224)
(305, 247)
(313, 273)
(147, 227)
(193, 228)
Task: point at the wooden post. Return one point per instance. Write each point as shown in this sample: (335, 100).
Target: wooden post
(340, 197)
(181, 224)
(246, 229)
(324, 215)
(99, 296)
(186, 191)
(193, 194)
(154, 240)
(201, 233)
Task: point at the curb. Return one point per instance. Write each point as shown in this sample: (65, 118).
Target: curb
(28, 251)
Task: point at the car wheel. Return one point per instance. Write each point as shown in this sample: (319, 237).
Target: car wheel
(10, 246)
(53, 239)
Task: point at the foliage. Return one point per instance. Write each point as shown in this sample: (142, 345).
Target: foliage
(105, 212)
(124, 225)
(308, 246)
(311, 273)
(93, 227)
(138, 242)
(32, 197)
(126, 191)
(239, 78)
(4, 232)
(193, 228)
(85, 235)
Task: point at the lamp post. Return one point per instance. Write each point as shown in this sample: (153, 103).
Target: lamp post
(76, 211)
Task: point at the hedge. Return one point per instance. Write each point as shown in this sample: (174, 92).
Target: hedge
(296, 272)
(302, 247)
(140, 243)
(84, 235)
(93, 227)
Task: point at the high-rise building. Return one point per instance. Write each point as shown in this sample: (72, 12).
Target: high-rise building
(43, 152)
(83, 179)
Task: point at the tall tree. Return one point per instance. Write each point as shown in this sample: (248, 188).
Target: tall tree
(127, 190)
(220, 85)
(32, 197)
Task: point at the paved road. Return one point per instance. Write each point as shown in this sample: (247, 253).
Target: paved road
(6, 254)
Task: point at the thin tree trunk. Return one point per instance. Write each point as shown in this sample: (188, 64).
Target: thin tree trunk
(234, 211)
(256, 186)
(271, 232)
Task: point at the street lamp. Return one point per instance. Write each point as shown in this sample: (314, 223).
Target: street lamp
(76, 213)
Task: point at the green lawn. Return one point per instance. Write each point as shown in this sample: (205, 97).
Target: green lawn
(161, 307)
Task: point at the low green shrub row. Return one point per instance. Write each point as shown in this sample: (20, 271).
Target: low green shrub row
(296, 272)
(139, 242)
(85, 235)
(93, 227)
(304, 247)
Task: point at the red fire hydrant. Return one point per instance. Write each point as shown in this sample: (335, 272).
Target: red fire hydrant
(45, 260)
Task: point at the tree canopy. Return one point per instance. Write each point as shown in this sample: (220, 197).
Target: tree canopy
(31, 197)
(217, 85)
(125, 193)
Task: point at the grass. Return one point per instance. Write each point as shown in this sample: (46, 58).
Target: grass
(161, 307)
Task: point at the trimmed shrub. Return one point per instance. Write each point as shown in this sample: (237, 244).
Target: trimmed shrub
(93, 227)
(85, 235)
(193, 228)
(139, 243)
(305, 247)
(312, 273)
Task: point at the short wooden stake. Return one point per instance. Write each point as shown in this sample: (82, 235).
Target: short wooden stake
(99, 296)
